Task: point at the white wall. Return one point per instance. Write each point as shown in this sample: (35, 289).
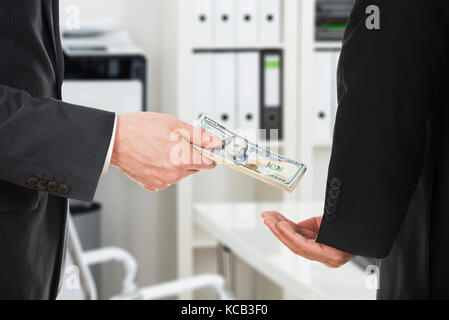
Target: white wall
(103, 13)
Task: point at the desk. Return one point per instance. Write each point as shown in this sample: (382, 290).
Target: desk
(240, 227)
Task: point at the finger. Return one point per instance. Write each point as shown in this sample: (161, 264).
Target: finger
(307, 248)
(152, 183)
(156, 184)
(278, 216)
(199, 136)
(149, 188)
(307, 231)
(154, 187)
(188, 173)
(310, 224)
(199, 161)
(272, 223)
(307, 228)
(185, 157)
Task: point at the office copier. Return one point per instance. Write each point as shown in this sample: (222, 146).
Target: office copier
(104, 69)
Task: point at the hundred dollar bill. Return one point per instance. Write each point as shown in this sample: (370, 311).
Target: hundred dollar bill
(249, 158)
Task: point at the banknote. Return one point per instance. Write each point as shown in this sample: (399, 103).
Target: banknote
(247, 157)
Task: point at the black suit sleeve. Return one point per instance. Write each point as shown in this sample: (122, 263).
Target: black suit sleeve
(52, 146)
(388, 85)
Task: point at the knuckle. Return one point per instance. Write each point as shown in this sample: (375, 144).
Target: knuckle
(336, 262)
(171, 178)
(180, 165)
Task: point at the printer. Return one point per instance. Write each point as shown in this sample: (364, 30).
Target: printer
(105, 70)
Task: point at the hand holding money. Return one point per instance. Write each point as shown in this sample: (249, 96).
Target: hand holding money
(249, 158)
(143, 149)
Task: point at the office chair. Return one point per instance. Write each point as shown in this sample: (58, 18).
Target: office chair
(130, 290)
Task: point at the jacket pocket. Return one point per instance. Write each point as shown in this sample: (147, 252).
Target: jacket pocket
(14, 198)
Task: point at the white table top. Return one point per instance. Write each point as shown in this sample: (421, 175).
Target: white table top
(240, 227)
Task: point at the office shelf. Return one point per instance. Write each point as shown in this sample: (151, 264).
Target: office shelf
(201, 239)
(236, 47)
(331, 45)
(298, 47)
(322, 144)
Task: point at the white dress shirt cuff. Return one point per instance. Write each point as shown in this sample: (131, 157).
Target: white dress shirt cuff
(111, 147)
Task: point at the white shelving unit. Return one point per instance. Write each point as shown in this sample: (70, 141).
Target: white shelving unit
(298, 45)
(254, 46)
(327, 45)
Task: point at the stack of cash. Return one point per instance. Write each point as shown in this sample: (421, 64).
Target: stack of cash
(249, 158)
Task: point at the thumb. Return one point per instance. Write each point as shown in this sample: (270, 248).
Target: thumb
(199, 136)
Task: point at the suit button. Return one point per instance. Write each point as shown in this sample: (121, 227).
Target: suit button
(52, 186)
(329, 210)
(32, 181)
(331, 217)
(335, 194)
(335, 183)
(332, 202)
(42, 185)
(63, 189)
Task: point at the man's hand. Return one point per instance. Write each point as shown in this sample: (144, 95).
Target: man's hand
(155, 149)
(300, 238)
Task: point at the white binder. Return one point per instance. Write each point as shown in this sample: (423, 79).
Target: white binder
(203, 22)
(269, 21)
(224, 88)
(323, 96)
(272, 80)
(248, 101)
(247, 21)
(225, 21)
(203, 88)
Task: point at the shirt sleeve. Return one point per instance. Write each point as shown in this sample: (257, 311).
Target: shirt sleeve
(107, 162)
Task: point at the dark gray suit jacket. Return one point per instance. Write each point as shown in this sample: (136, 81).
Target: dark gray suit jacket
(49, 150)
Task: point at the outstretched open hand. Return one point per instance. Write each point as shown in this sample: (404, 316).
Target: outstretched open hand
(300, 238)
